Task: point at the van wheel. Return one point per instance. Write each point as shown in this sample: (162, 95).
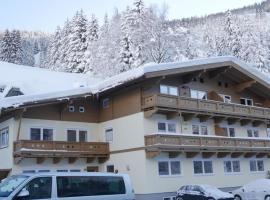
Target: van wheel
(237, 197)
(267, 197)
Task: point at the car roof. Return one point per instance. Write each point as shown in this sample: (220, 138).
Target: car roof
(71, 174)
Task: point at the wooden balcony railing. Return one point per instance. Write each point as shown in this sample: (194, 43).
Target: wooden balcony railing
(60, 149)
(165, 142)
(199, 105)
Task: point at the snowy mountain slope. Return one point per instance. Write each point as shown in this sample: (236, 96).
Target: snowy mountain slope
(32, 80)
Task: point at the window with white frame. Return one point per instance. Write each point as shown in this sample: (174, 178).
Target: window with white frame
(197, 94)
(167, 126)
(4, 137)
(226, 98)
(45, 134)
(231, 166)
(71, 108)
(169, 168)
(109, 135)
(199, 129)
(166, 89)
(256, 165)
(81, 109)
(246, 101)
(229, 130)
(252, 132)
(268, 132)
(203, 167)
(76, 135)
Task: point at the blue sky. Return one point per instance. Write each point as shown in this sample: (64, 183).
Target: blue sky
(45, 15)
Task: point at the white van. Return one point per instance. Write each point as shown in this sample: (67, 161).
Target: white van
(73, 186)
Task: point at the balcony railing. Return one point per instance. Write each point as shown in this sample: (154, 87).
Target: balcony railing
(200, 105)
(166, 142)
(60, 149)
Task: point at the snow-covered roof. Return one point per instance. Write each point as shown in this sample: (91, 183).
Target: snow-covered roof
(58, 86)
(33, 80)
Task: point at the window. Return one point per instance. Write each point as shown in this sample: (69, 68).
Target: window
(71, 109)
(29, 171)
(110, 168)
(169, 198)
(256, 165)
(75, 186)
(109, 135)
(247, 102)
(106, 103)
(197, 94)
(199, 129)
(81, 109)
(62, 170)
(71, 135)
(203, 167)
(43, 171)
(171, 90)
(39, 188)
(74, 135)
(4, 137)
(45, 134)
(231, 132)
(82, 136)
(226, 98)
(169, 168)
(251, 132)
(167, 127)
(268, 132)
(75, 170)
(232, 166)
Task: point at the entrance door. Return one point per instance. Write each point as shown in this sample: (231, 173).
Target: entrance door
(92, 169)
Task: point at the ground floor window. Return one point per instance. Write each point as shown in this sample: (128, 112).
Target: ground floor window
(256, 165)
(232, 166)
(251, 132)
(203, 167)
(4, 137)
(169, 168)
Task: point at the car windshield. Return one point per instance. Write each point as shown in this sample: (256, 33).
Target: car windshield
(8, 185)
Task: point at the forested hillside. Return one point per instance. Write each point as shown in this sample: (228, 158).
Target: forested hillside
(141, 35)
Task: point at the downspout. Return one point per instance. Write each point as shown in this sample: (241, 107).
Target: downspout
(19, 126)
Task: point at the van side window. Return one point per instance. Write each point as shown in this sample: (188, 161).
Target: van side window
(39, 188)
(75, 186)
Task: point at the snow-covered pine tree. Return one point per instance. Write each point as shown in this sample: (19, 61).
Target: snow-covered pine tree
(5, 54)
(77, 44)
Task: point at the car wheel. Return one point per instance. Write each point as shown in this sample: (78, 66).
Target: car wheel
(267, 197)
(179, 198)
(237, 197)
(210, 198)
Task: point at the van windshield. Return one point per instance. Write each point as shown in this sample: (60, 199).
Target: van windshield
(8, 185)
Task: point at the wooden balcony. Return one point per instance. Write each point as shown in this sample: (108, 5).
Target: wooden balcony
(207, 145)
(60, 149)
(161, 102)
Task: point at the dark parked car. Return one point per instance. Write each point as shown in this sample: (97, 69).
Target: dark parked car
(202, 192)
